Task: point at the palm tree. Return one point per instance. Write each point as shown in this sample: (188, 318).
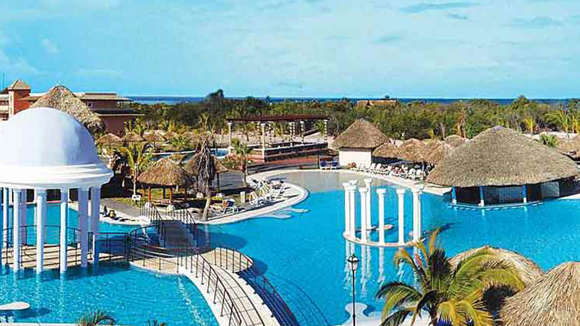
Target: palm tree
(205, 174)
(560, 119)
(445, 292)
(242, 150)
(138, 156)
(96, 318)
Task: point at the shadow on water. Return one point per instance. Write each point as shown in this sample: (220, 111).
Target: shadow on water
(221, 239)
(34, 313)
(73, 273)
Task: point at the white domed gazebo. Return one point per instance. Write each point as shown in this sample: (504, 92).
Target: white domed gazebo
(45, 149)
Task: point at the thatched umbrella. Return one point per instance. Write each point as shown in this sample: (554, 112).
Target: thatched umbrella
(412, 150)
(110, 140)
(166, 173)
(61, 98)
(153, 136)
(528, 271)
(455, 140)
(387, 150)
(361, 134)
(501, 157)
(436, 151)
(170, 135)
(132, 137)
(570, 147)
(552, 300)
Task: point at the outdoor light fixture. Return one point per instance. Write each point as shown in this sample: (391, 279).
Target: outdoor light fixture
(353, 262)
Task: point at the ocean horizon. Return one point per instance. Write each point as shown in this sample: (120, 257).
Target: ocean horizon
(153, 99)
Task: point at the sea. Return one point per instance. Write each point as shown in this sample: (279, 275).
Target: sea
(186, 99)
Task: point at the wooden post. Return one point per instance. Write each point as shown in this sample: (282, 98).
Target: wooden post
(149, 194)
(171, 194)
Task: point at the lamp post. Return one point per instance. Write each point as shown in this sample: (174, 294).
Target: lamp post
(353, 262)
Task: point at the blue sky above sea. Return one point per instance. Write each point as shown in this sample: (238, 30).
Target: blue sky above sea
(296, 48)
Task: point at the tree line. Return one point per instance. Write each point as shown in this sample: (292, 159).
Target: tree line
(399, 120)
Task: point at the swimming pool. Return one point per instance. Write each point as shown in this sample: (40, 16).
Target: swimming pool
(131, 295)
(304, 255)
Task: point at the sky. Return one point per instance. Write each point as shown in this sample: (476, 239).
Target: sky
(296, 48)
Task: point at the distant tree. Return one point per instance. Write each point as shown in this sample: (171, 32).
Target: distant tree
(242, 151)
(138, 156)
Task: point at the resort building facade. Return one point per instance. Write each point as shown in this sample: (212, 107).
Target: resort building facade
(107, 105)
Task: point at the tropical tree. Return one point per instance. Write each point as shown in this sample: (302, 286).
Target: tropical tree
(96, 318)
(205, 174)
(446, 292)
(138, 156)
(242, 150)
(180, 143)
(560, 119)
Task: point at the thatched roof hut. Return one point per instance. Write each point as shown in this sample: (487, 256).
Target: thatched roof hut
(110, 140)
(502, 157)
(170, 135)
(387, 150)
(553, 300)
(61, 98)
(132, 137)
(436, 151)
(455, 140)
(153, 136)
(165, 172)
(361, 134)
(191, 165)
(412, 150)
(529, 271)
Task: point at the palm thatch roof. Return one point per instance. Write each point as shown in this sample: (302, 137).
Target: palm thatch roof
(110, 140)
(436, 151)
(528, 271)
(552, 300)
(132, 137)
(165, 172)
(387, 150)
(170, 135)
(361, 134)
(192, 165)
(501, 157)
(153, 136)
(413, 150)
(455, 140)
(61, 98)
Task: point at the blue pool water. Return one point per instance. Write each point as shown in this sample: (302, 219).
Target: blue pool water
(304, 255)
(131, 295)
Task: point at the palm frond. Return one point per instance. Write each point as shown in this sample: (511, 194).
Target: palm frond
(396, 318)
(397, 294)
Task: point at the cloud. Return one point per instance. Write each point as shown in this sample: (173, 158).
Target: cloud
(426, 6)
(50, 46)
(457, 16)
(291, 84)
(536, 22)
(388, 39)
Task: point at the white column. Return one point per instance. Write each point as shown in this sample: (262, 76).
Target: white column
(23, 222)
(346, 186)
(352, 217)
(363, 213)
(401, 196)
(368, 183)
(416, 214)
(525, 194)
(263, 129)
(381, 195)
(230, 133)
(381, 265)
(2, 225)
(94, 225)
(481, 196)
(83, 227)
(5, 206)
(16, 241)
(40, 226)
(63, 229)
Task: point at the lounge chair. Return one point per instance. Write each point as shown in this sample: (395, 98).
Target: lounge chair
(323, 165)
(334, 165)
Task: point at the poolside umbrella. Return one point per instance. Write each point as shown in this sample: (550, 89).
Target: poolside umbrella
(552, 300)
(412, 150)
(153, 136)
(387, 150)
(436, 151)
(501, 157)
(62, 99)
(528, 271)
(110, 139)
(192, 167)
(132, 137)
(570, 147)
(455, 140)
(166, 173)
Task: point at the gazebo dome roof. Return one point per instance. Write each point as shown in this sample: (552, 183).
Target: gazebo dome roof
(45, 148)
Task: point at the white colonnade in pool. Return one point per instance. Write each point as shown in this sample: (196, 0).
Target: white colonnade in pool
(15, 231)
(363, 235)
